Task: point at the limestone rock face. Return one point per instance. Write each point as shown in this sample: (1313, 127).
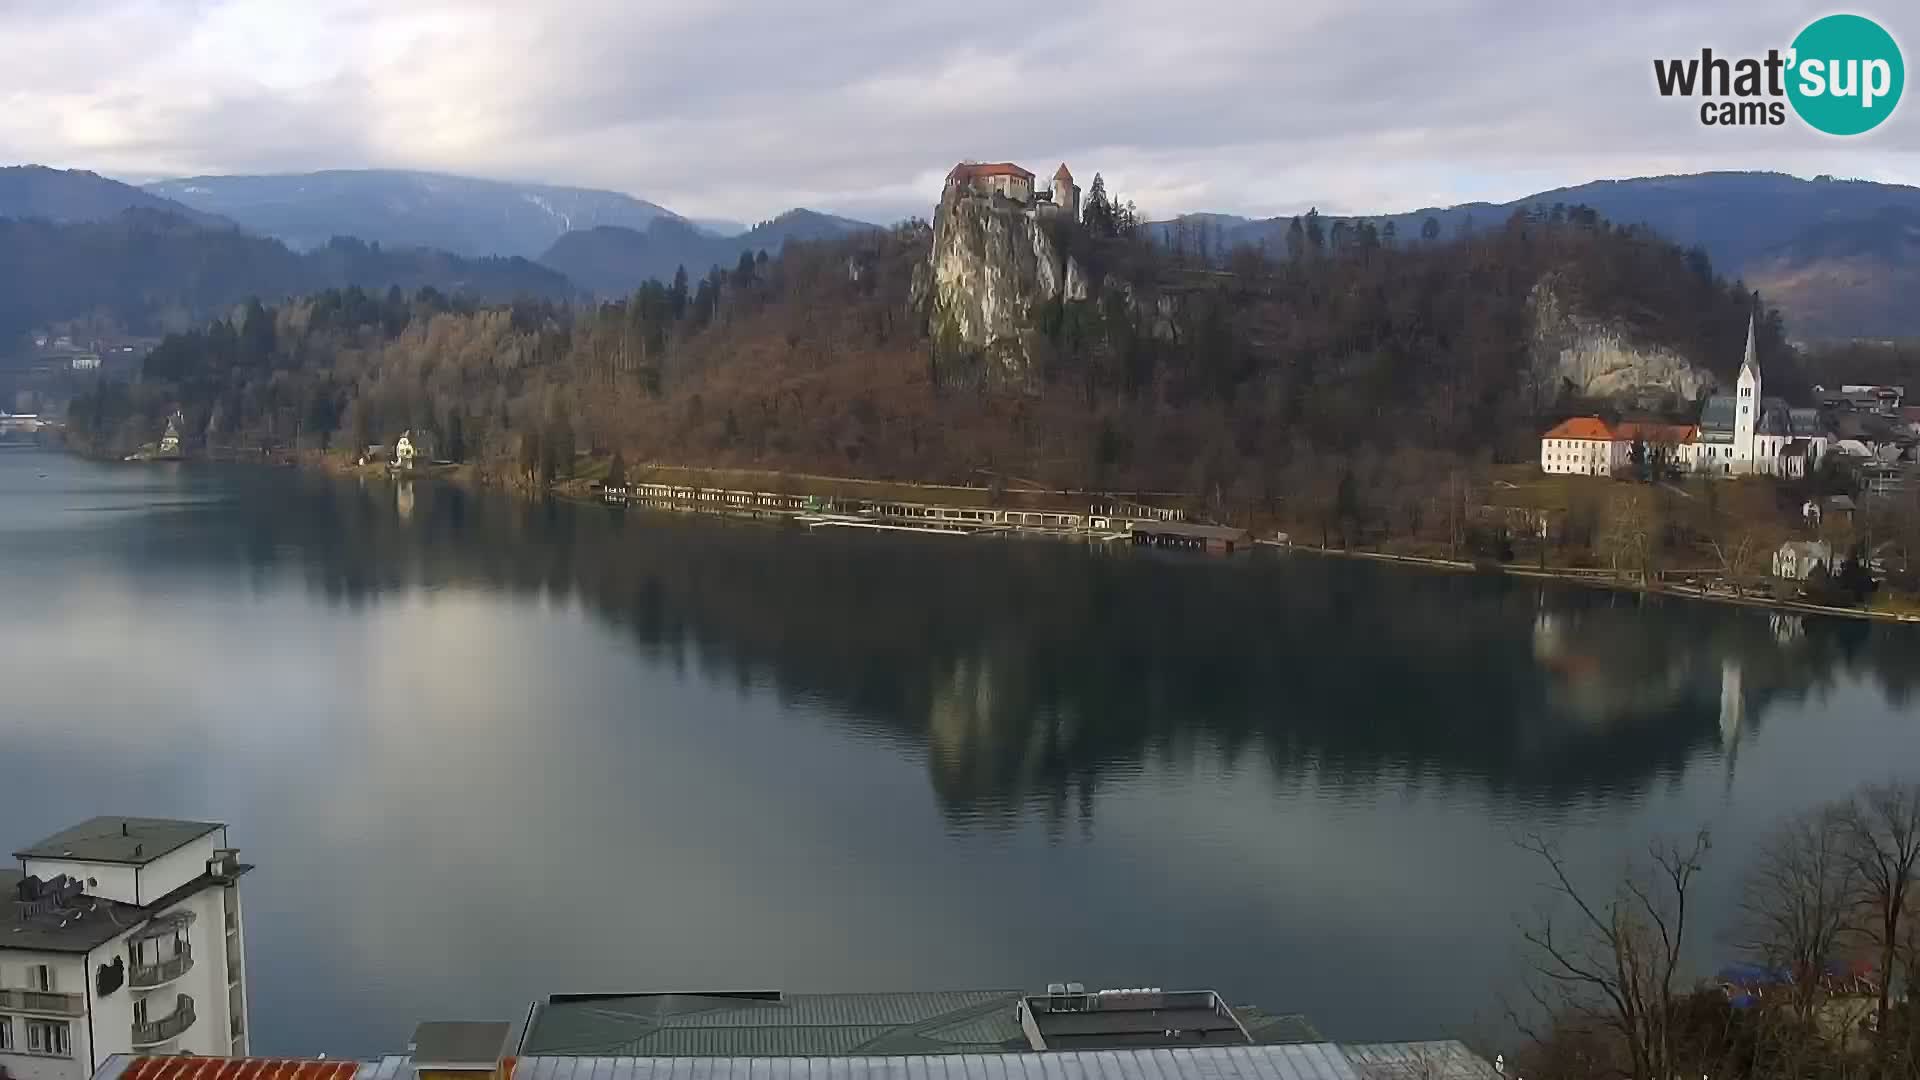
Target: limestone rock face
(991, 272)
(1574, 354)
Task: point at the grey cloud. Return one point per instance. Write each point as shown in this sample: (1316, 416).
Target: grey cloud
(741, 109)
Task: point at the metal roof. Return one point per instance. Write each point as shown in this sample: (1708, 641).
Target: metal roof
(1444, 1060)
(725, 1025)
(129, 840)
(772, 1024)
(1298, 1061)
(1293, 1061)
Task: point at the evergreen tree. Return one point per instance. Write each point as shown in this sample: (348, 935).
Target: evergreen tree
(1430, 229)
(679, 294)
(1098, 214)
(617, 471)
(256, 335)
(1316, 236)
(1296, 240)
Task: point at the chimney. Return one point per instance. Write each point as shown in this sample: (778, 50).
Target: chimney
(136, 850)
(123, 829)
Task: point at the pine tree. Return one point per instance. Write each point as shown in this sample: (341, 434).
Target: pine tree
(1098, 215)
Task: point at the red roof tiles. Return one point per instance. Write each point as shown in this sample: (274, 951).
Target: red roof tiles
(209, 1068)
(1581, 427)
(1662, 434)
(968, 170)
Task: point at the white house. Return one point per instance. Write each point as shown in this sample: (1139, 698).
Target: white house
(1583, 445)
(403, 451)
(1796, 558)
(123, 935)
(1589, 446)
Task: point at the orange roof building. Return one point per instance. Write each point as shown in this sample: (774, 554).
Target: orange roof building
(1002, 178)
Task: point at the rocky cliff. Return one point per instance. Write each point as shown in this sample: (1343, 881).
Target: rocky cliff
(991, 273)
(1580, 356)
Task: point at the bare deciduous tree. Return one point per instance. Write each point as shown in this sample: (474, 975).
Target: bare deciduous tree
(1883, 830)
(1614, 962)
(1797, 898)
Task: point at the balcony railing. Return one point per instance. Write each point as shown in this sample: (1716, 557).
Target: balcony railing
(148, 976)
(37, 1001)
(167, 1027)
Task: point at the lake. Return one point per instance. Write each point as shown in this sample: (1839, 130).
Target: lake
(484, 750)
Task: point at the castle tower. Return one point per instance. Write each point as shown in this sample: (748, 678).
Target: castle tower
(1748, 417)
(1066, 194)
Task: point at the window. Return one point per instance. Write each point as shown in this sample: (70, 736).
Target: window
(47, 1037)
(40, 977)
(6, 1032)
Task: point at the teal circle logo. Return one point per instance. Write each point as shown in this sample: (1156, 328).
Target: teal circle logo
(1846, 75)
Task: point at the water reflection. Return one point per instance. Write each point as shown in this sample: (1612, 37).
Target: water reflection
(485, 750)
(1026, 672)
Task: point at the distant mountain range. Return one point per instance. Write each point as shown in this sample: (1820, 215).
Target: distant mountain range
(394, 208)
(1840, 257)
(611, 261)
(69, 195)
(1818, 248)
(154, 271)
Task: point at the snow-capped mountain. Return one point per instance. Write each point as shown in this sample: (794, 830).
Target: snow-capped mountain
(395, 208)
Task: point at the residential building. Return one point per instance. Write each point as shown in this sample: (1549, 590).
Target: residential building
(1796, 559)
(1583, 445)
(123, 936)
(403, 451)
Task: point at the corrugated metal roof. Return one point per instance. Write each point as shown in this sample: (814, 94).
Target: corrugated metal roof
(1300, 1061)
(1442, 1060)
(665, 1025)
(1297, 1061)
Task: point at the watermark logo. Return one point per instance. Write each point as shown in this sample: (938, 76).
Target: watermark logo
(1842, 75)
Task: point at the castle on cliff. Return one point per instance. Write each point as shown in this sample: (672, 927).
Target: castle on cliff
(1015, 184)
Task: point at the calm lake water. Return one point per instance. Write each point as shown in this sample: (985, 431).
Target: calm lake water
(484, 750)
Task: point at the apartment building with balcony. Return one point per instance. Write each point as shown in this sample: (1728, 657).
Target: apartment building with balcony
(121, 936)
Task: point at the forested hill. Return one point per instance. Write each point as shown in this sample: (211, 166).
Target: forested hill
(612, 261)
(65, 195)
(151, 271)
(1363, 362)
(1812, 241)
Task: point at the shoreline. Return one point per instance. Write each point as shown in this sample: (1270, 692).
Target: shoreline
(1599, 579)
(579, 490)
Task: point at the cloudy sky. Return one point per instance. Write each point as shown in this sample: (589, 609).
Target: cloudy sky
(741, 108)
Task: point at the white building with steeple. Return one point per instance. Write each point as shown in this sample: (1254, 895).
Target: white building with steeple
(1744, 433)
(1748, 433)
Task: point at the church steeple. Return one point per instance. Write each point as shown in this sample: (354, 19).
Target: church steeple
(1752, 360)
